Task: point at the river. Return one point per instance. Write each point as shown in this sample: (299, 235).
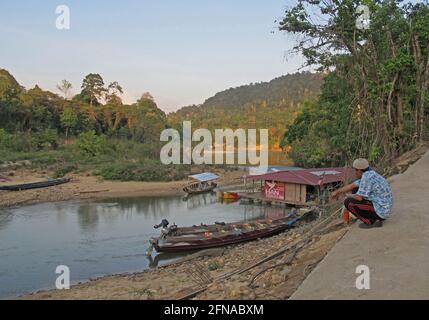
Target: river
(96, 238)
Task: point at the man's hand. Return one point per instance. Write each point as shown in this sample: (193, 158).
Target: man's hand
(334, 195)
(358, 198)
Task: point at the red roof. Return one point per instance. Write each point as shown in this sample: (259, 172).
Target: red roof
(313, 177)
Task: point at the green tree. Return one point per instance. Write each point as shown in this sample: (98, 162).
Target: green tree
(90, 144)
(92, 91)
(147, 96)
(69, 120)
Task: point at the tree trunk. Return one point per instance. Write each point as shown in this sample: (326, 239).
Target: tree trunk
(424, 88)
(419, 85)
(389, 98)
(400, 113)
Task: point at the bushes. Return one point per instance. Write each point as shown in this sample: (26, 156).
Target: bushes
(4, 138)
(149, 170)
(90, 144)
(46, 139)
(25, 142)
(17, 142)
(59, 173)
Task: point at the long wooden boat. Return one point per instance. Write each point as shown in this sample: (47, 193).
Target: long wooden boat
(205, 237)
(34, 185)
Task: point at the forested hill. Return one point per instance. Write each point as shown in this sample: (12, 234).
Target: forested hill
(269, 105)
(289, 88)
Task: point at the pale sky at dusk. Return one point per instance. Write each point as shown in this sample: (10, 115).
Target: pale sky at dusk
(181, 51)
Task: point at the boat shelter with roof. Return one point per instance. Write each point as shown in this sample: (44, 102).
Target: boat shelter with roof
(297, 187)
(204, 177)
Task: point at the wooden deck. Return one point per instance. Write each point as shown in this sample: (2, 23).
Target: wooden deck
(259, 197)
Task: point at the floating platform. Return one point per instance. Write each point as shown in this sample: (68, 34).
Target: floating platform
(259, 197)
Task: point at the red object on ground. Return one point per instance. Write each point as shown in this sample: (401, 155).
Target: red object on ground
(346, 216)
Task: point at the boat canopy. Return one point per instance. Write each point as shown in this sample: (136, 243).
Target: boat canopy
(203, 177)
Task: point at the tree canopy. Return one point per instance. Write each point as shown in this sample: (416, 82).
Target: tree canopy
(374, 102)
(36, 110)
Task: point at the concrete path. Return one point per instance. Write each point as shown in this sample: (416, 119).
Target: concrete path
(397, 254)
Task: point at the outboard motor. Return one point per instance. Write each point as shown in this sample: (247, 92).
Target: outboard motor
(165, 230)
(164, 224)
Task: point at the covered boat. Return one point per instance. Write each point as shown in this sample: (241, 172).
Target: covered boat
(201, 183)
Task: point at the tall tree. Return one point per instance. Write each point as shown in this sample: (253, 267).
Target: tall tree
(65, 87)
(113, 92)
(147, 96)
(92, 91)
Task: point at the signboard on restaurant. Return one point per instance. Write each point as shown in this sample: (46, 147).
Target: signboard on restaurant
(274, 190)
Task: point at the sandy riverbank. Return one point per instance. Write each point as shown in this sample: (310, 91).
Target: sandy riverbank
(85, 186)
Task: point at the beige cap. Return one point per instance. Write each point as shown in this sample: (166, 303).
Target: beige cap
(361, 164)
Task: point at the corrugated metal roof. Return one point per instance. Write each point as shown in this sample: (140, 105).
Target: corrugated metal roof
(206, 176)
(313, 177)
(258, 171)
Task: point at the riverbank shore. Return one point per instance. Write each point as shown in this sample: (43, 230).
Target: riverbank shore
(85, 186)
(215, 273)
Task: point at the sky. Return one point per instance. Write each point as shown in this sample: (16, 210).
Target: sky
(182, 52)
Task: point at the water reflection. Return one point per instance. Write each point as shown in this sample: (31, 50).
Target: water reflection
(158, 208)
(193, 202)
(166, 257)
(88, 217)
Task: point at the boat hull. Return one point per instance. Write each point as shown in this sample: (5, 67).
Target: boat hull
(35, 185)
(190, 191)
(213, 242)
(231, 196)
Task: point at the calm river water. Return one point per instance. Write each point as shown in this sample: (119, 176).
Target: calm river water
(97, 238)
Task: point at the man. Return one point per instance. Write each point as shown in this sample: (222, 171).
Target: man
(373, 200)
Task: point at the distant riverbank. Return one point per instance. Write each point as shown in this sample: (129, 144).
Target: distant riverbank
(85, 186)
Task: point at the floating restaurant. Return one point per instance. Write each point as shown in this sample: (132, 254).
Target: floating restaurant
(302, 187)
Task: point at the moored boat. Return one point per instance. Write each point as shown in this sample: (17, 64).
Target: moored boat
(201, 183)
(218, 235)
(34, 185)
(230, 196)
(198, 187)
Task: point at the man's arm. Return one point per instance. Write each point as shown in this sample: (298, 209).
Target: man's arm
(345, 189)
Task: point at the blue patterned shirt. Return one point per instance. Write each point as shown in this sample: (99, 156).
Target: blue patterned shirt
(375, 188)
